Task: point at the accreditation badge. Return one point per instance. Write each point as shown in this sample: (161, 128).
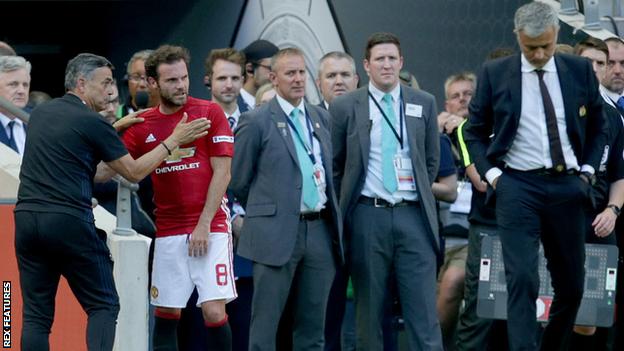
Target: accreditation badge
(319, 175)
(404, 173)
(319, 181)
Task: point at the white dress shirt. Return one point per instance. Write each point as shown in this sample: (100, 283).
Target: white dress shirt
(316, 147)
(249, 99)
(19, 131)
(530, 148)
(610, 97)
(373, 184)
(235, 115)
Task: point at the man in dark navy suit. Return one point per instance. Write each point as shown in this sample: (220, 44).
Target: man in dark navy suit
(14, 87)
(224, 75)
(535, 133)
(613, 84)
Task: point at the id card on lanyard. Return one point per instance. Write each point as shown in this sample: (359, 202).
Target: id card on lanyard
(404, 173)
(403, 169)
(317, 167)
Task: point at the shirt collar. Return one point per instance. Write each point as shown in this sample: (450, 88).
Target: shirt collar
(378, 94)
(248, 98)
(4, 119)
(236, 114)
(610, 94)
(526, 66)
(287, 107)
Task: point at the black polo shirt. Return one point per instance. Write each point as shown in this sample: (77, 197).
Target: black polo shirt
(66, 141)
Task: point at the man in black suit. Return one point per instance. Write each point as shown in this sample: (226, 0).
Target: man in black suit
(336, 76)
(536, 134)
(612, 88)
(14, 87)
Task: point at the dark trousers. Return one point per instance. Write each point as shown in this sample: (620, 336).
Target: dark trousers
(239, 314)
(336, 310)
(307, 277)
(530, 208)
(473, 332)
(619, 297)
(49, 245)
(590, 236)
(396, 238)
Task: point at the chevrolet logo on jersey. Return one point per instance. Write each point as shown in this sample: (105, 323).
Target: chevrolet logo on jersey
(179, 153)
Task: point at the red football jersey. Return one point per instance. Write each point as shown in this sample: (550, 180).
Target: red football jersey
(181, 181)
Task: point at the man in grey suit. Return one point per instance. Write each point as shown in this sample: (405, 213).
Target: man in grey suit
(293, 227)
(386, 155)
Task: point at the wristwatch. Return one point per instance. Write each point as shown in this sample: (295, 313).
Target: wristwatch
(615, 209)
(589, 177)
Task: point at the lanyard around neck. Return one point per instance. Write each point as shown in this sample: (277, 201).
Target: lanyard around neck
(398, 135)
(309, 150)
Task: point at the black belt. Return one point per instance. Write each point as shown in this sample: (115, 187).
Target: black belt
(550, 172)
(313, 216)
(377, 202)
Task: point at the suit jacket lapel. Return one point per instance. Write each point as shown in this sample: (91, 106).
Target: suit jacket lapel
(279, 118)
(410, 122)
(364, 123)
(514, 79)
(320, 136)
(242, 105)
(4, 138)
(567, 91)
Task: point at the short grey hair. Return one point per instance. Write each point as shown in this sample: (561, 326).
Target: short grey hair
(13, 63)
(460, 77)
(535, 18)
(139, 55)
(336, 55)
(83, 65)
(292, 51)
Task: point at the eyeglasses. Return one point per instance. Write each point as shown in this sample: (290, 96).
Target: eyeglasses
(264, 66)
(137, 78)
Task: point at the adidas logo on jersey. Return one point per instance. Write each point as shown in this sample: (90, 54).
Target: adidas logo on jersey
(150, 138)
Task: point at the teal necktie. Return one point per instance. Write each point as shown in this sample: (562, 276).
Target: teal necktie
(388, 146)
(310, 192)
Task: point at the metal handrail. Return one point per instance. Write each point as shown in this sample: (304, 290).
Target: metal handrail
(124, 206)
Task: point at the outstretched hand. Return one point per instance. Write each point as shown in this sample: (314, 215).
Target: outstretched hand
(186, 132)
(129, 120)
